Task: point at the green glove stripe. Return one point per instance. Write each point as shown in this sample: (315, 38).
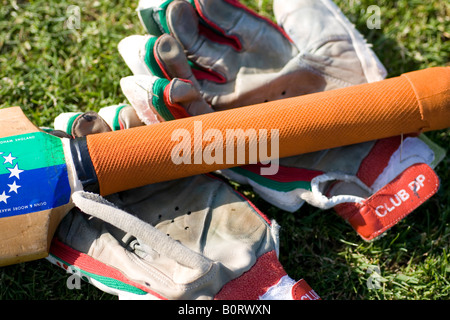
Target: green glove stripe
(162, 16)
(152, 26)
(116, 123)
(158, 99)
(70, 123)
(150, 59)
(273, 184)
(107, 281)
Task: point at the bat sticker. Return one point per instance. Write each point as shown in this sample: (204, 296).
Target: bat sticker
(33, 174)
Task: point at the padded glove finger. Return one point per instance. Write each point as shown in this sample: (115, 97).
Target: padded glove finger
(156, 99)
(112, 118)
(160, 56)
(234, 32)
(153, 99)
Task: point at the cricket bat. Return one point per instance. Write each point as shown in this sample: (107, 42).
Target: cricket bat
(39, 172)
(35, 184)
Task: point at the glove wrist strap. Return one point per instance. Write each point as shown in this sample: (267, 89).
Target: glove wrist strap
(391, 203)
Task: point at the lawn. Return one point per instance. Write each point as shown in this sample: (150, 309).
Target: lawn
(48, 68)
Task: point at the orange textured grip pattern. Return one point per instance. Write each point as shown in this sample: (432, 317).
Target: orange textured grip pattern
(414, 102)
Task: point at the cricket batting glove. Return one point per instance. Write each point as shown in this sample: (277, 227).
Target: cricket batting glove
(236, 57)
(363, 183)
(371, 185)
(192, 238)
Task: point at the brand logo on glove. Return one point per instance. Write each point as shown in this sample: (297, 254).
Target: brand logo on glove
(207, 147)
(394, 201)
(401, 196)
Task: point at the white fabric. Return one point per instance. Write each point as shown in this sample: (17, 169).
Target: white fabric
(319, 200)
(289, 201)
(138, 90)
(128, 48)
(280, 291)
(109, 113)
(62, 120)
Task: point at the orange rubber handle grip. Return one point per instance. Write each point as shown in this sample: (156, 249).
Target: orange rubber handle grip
(413, 102)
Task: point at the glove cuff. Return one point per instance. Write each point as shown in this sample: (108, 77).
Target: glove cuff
(400, 183)
(391, 203)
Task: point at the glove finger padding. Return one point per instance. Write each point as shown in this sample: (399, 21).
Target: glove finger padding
(112, 118)
(155, 99)
(259, 62)
(161, 56)
(192, 238)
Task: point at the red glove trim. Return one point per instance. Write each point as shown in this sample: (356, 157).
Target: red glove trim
(378, 158)
(266, 272)
(285, 174)
(175, 109)
(391, 203)
(302, 291)
(91, 265)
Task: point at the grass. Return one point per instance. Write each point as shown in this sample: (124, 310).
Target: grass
(47, 69)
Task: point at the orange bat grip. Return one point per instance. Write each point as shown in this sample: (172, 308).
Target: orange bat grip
(414, 102)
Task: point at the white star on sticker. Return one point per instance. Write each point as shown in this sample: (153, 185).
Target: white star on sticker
(13, 187)
(3, 197)
(15, 172)
(9, 159)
